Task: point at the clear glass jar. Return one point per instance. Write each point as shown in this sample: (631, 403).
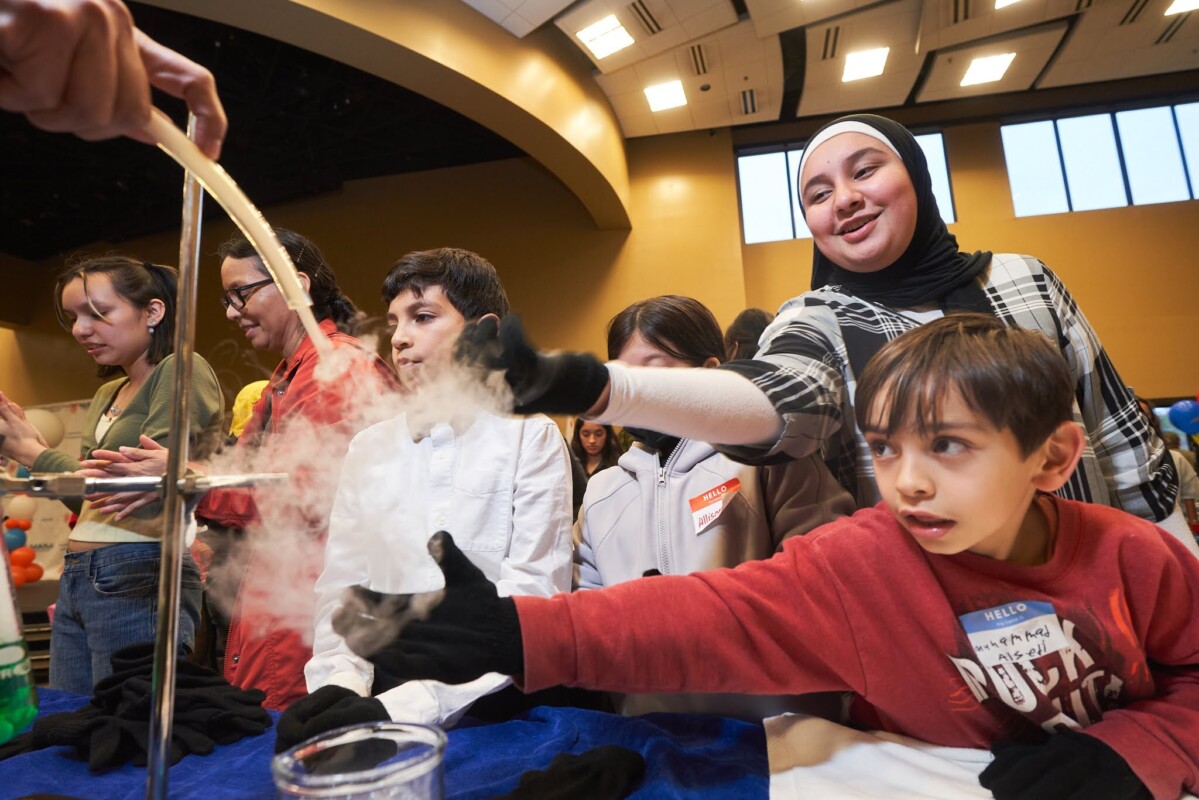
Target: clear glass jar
(375, 761)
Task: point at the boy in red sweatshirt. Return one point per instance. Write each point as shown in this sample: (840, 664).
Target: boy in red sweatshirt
(971, 608)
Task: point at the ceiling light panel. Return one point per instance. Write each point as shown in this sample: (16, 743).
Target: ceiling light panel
(605, 37)
(519, 17)
(833, 81)
(1035, 47)
(987, 69)
(864, 64)
(663, 96)
(1181, 7)
(656, 26)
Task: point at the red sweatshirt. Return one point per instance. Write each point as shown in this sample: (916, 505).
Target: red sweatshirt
(956, 650)
(270, 632)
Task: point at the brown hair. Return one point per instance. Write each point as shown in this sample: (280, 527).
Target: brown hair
(678, 326)
(469, 281)
(137, 282)
(1017, 379)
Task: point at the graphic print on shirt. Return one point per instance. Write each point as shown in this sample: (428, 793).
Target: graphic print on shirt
(1038, 664)
(708, 505)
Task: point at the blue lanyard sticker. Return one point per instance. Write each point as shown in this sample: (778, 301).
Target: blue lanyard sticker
(1014, 633)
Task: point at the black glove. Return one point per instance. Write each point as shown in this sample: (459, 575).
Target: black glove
(453, 635)
(327, 708)
(604, 773)
(1068, 765)
(115, 726)
(557, 383)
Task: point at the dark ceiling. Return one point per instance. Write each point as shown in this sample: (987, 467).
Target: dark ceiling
(300, 125)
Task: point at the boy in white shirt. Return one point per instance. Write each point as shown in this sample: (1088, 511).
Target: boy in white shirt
(500, 484)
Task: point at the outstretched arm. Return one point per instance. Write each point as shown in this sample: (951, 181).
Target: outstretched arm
(761, 628)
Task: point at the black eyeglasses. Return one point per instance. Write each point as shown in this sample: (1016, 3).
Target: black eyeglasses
(238, 295)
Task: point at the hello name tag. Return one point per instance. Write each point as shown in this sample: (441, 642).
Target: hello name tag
(706, 507)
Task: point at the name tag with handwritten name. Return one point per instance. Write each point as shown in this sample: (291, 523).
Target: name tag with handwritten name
(1014, 633)
(706, 507)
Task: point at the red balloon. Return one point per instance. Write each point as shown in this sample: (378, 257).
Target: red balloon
(22, 556)
(33, 572)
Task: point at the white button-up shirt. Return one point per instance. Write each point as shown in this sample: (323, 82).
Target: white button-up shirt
(501, 488)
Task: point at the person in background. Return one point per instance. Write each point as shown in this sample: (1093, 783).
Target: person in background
(301, 424)
(675, 506)
(1174, 442)
(444, 464)
(1184, 521)
(971, 608)
(122, 311)
(596, 446)
(81, 67)
(741, 338)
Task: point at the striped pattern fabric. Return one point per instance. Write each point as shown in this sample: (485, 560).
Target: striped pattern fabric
(820, 340)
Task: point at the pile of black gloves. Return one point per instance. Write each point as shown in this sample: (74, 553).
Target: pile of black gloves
(115, 726)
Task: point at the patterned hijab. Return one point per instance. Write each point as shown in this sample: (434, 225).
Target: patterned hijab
(931, 269)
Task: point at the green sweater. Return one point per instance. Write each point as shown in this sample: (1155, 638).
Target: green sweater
(148, 412)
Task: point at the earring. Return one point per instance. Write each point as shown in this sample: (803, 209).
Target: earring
(151, 329)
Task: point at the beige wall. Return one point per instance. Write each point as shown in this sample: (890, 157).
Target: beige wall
(1132, 269)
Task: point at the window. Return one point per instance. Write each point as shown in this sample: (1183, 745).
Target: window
(1141, 156)
(770, 209)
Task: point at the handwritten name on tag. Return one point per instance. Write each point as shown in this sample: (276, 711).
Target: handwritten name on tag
(1014, 633)
(706, 507)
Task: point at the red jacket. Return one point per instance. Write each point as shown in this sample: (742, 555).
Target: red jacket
(302, 426)
(956, 650)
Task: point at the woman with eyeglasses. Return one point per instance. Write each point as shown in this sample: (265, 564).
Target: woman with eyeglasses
(122, 310)
(300, 425)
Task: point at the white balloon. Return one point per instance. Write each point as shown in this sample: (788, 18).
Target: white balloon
(20, 506)
(48, 425)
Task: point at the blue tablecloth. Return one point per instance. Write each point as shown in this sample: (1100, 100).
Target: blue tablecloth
(686, 756)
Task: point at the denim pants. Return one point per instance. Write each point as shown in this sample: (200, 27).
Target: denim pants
(107, 600)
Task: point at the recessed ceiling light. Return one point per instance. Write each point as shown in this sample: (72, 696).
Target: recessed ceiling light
(987, 69)
(605, 37)
(1182, 6)
(1004, 3)
(665, 95)
(864, 64)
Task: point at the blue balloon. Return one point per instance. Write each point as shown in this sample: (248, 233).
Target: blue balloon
(1184, 415)
(14, 538)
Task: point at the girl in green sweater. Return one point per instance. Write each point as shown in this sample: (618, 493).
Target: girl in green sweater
(123, 313)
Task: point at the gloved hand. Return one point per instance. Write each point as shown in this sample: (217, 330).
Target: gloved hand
(453, 635)
(327, 708)
(603, 773)
(1068, 765)
(542, 383)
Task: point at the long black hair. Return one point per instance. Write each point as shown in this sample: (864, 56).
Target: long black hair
(328, 301)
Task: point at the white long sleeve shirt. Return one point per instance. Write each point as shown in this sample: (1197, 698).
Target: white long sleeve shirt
(501, 488)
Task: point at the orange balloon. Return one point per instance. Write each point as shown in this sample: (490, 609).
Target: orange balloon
(33, 572)
(22, 556)
(23, 524)
(18, 577)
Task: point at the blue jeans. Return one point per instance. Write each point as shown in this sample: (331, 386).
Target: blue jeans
(107, 600)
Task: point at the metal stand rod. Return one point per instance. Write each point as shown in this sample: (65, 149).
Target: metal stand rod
(175, 511)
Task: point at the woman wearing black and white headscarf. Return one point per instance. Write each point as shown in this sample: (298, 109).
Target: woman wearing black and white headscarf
(884, 263)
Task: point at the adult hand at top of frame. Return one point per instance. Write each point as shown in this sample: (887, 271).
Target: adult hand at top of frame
(452, 635)
(80, 66)
(542, 383)
(1067, 766)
